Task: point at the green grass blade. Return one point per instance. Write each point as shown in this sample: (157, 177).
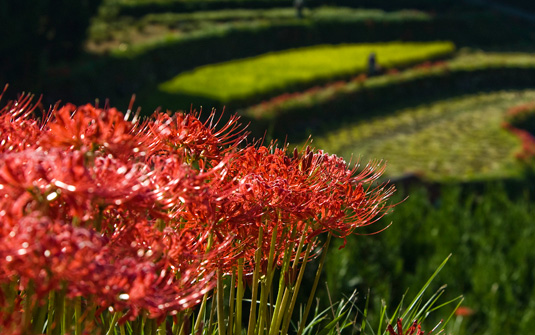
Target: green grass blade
(424, 288)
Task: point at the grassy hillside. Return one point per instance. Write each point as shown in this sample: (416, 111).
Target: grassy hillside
(488, 229)
(458, 138)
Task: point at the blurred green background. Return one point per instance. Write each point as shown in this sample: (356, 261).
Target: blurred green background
(448, 75)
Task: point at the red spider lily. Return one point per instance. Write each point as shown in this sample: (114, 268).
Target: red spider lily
(93, 129)
(86, 167)
(131, 276)
(342, 201)
(18, 131)
(528, 145)
(464, 311)
(517, 121)
(189, 138)
(60, 183)
(414, 329)
(308, 193)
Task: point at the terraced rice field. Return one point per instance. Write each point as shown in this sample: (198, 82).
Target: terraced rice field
(459, 138)
(281, 71)
(124, 35)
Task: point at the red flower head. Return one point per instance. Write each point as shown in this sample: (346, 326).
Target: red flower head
(301, 193)
(414, 329)
(87, 128)
(18, 131)
(185, 136)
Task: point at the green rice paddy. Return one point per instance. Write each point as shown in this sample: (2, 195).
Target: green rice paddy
(291, 69)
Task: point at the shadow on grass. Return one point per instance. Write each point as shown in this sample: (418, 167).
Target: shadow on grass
(152, 99)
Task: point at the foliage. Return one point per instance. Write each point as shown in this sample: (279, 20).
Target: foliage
(36, 34)
(242, 80)
(490, 229)
(347, 317)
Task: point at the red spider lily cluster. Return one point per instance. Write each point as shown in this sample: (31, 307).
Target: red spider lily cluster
(138, 215)
(414, 329)
(520, 120)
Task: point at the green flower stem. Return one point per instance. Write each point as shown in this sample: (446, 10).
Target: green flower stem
(77, 316)
(68, 318)
(295, 289)
(258, 256)
(98, 220)
(160, 224)
(176, 324)
(29, 303)
(143, 325)
(38, 321)
(211, 324)
(153, 327)
(299, 249)
(314, 286)
(113, 321)
(137, 327)
(50, 312)
(162, 330)
(59, 313)
(280, 312)
(185, 326)
(220, 304)
(179, 324)
(280, 293)
(202, 310)
(266, 283)
(231, 303)
(89, 314)
(123, 330)
(262, 307)
(239, 297)
(282, 298)
(9, 290)
(201, 314)
(149, 328)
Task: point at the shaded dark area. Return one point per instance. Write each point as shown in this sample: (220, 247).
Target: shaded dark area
(139, 9)
(43, 51)
(37, 35)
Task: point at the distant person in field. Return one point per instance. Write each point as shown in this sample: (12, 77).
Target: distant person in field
(299, 5)
(374, 69)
